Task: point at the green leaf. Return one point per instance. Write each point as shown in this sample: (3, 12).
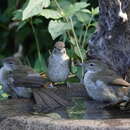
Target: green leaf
(4, 95)
(86, 11)
(79, 72)
(40, 66)
(72, 9)
(81, 5)
(49, 13)
(83, 17)
(73, 69)
(34, 7)
(95, 11)
(64, 3)
(17, 15)
(57, 28)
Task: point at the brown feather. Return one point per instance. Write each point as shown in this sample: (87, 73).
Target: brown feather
(110, 77)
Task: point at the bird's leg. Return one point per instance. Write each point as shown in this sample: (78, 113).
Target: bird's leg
(125, 105)
(116, 103)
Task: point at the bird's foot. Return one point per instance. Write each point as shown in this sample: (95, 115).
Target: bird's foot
(51, 85)
(109, 105)
(121, 104)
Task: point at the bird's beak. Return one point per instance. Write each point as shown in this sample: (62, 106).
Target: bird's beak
(79, 64)
(85, 71)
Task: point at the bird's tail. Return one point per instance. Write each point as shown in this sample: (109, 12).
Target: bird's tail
(48, 101)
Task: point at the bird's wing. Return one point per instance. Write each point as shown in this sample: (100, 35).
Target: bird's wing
(110, 77)
(24, 76)
(31, 82)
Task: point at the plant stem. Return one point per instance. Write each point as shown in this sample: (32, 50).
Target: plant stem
(64, 17)
(77, 44)
(37, 43)
(73, 31)
(86, 32)
(81, 34)
(76, 39)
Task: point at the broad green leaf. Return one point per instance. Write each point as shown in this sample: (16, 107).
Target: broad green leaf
(57, 28)
(72, 9)
(34, 7)
(64, 3)
(49, 13)
(83, 17)
(81, 5)
(86, 11)
(46, 3)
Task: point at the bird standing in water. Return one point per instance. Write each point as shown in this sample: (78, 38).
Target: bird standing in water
(58, 63)
(103, 84)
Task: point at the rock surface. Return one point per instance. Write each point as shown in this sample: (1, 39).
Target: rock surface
(45, 123)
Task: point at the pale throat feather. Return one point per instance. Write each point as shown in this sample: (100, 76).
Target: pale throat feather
(3, 72)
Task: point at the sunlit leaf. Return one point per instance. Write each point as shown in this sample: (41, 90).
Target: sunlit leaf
(4, 95)
(95, 11)
(57, 28)
(49, 13)
(83, 17)
(72, 9)
(86, 11)
(34, 7)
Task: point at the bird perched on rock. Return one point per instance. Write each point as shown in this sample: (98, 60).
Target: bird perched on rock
(58, 63)
(103, 84)
(19, 80)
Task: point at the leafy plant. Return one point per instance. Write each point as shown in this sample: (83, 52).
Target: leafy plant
(2, 94)
(37, 24)
(72, 22)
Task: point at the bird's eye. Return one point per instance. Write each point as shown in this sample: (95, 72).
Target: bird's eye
(91, 64)
(10, 63)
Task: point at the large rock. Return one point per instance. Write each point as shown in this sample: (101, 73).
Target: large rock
(45, 123)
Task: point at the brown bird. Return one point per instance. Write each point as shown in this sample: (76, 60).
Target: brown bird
(103, 84)
(58, 63)
(19, 80)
